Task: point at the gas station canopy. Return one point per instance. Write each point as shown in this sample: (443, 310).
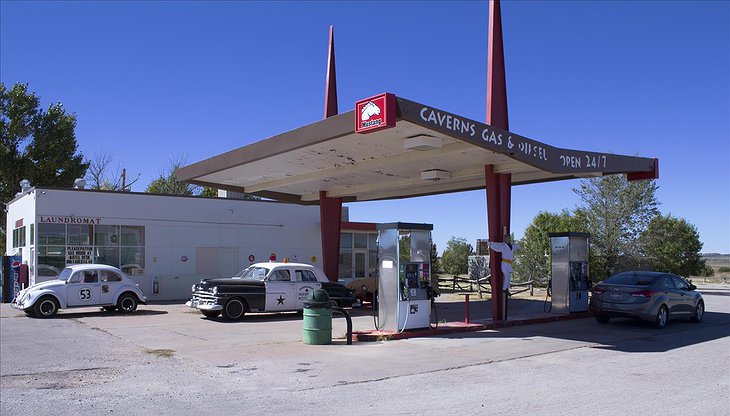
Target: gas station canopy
(421, 151)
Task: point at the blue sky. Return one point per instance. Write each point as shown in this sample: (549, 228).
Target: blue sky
(150, 81)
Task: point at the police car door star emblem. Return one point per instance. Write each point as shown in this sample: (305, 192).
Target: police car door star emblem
(375, 113)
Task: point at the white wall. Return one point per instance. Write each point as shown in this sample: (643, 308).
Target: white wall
(22, 208)
(176, 226)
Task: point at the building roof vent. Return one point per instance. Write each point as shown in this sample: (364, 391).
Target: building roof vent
(422, 142)
(24, 185)
(79, 183)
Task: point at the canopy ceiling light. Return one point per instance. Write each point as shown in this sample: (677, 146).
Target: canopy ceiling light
(435, 175)
(422, 142)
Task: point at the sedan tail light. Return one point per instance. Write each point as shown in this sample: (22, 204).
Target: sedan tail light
(643, 294)
(598, 289)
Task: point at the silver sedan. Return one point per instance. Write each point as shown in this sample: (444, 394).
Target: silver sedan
(651, 296)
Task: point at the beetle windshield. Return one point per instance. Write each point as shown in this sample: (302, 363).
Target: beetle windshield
(253, 273)
(65, 274)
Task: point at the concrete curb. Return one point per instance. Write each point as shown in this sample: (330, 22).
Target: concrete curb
(453, 327)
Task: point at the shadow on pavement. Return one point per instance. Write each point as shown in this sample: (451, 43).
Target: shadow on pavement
(101, 313)
(621, 334)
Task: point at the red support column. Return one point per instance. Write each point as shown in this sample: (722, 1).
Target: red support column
(498, 185)
(330, 89)
(330, 209)
(494, 224)
(505, 202)
(330, 216)
(496, 77)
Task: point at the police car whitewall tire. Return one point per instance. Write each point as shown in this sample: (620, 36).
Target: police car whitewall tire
(127, 303)
(45, 307)
(234, 309)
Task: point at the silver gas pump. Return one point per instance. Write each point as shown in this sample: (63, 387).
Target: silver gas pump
(569, 271)
(404, 284)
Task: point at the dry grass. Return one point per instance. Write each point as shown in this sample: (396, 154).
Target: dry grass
(160, 352)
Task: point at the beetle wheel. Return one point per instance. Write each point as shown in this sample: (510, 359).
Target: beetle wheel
(127, 303)
(45, 307)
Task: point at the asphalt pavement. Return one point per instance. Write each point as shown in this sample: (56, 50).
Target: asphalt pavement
(167, 359)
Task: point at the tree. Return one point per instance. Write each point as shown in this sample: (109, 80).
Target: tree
(455, 257)
(100, 176)
(532, 262)
(616, 212)
(673, 245)
(167, 182)
(38, 145)
(209, 192)
(435, 267)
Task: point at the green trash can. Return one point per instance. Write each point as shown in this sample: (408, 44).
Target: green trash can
(318, 318)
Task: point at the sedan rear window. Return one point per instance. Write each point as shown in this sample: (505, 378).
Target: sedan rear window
(631, 279)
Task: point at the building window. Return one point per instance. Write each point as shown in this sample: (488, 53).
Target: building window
(51, 234)
(32, 234)
(358, 255)
(116, 245)
(79, 234)
(51, 260)
(19, 237)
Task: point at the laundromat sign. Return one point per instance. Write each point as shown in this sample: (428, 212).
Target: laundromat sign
(70, 220)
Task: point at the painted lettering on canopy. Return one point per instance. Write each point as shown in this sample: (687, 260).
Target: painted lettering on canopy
(531, 152)
(487, 134)
(70, 220)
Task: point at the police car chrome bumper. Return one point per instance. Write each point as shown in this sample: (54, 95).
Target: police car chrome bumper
(195, 304)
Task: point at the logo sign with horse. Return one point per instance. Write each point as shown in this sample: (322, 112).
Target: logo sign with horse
(375, 113)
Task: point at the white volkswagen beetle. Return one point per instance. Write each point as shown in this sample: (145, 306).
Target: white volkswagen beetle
(81, 285)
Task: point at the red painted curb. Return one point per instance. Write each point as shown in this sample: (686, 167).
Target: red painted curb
(453, 327)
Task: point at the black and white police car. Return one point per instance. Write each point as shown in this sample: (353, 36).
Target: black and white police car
(266, 287)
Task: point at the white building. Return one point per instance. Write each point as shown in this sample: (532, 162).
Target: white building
(166, 243)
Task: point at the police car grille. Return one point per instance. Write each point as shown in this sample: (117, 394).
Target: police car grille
(203, 295)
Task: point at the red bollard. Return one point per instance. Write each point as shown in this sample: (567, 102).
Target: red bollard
(466, 309)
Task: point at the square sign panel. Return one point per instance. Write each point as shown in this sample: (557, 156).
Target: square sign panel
(375, 113)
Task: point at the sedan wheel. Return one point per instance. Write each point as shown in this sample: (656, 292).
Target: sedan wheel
(127, 303)
(661, 317)
(45, 307)
(699, 312)
(234, 310)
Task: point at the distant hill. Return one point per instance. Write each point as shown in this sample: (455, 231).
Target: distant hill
(716, 258)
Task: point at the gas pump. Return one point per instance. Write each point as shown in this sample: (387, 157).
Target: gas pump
(569, 272)
(404, 283)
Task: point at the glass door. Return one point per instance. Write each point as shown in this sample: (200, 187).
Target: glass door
(361, 256)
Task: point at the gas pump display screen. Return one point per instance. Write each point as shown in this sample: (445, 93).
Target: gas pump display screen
(412, 275)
